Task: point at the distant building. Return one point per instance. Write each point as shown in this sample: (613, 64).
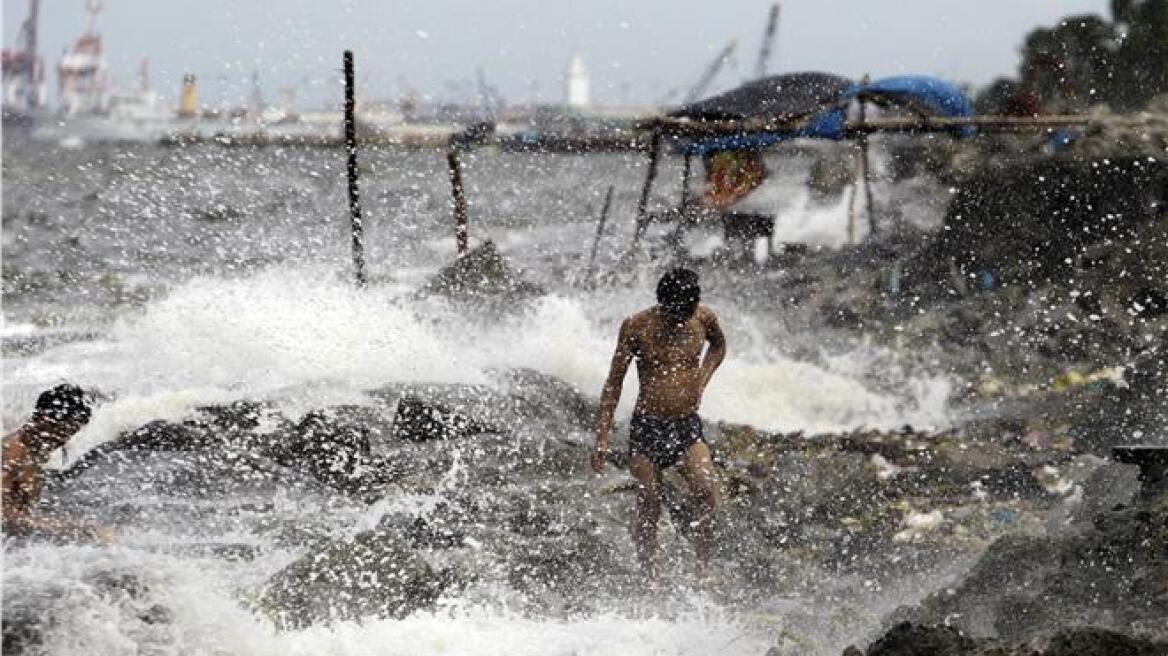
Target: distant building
(188, 99)
(576, 86)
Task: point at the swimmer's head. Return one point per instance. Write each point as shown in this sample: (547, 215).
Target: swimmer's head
(678, 293)
(62, 411)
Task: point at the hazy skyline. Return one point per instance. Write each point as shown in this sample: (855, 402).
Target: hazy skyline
(635, 52)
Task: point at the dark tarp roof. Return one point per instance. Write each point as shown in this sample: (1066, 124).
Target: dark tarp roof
(778, 97)
(822, 100)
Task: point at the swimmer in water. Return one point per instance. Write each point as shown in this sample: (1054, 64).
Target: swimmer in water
(58, 415)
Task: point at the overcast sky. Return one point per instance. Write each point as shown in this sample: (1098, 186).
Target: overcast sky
(636, 51)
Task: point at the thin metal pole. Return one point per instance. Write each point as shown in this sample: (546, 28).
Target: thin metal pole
(355, 220)
(461, 234)
(599, 231)
(643, 203)
(768, 37)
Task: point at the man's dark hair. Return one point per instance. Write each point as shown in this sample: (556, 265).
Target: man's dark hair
(64, 402)
(678, 292)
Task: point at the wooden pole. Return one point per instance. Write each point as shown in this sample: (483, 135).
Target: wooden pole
(461, 235)
(852, 211)
(643, 203)
(686, 170)
(866, 168)
(355, 221)
(599, 232)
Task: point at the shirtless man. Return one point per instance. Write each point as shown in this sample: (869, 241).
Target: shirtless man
(667, 341)
(59, 414)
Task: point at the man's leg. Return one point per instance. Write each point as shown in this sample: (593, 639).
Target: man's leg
(699, 471)
(648, 513)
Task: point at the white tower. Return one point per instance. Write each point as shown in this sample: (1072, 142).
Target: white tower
(576, 83)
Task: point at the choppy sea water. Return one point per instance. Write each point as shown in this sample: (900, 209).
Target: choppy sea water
(174, 278)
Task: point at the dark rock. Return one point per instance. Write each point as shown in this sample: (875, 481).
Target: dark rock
(1113, 574)
(374, 574)
(218, 213)
(1109, 486)
(907, 639)
(1094, 641)
(118, 584)
(483, 278)
(536, 396)
(1028, 223)
(166, 436)
(156, 614)
(420, 420)
(421, 533)
(335, 451)
(29, 615)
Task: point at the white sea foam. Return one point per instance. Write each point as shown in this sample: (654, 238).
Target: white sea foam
(305, 338)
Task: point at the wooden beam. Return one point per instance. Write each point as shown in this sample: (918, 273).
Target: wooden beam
(355, 221)
(461, 232)
(643, 203)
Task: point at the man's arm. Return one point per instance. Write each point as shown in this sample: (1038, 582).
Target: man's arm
(610, 395)
(717, 351)
(22, 489)
(19, 481)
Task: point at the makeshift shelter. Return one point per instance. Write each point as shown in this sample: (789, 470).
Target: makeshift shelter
(815, 106)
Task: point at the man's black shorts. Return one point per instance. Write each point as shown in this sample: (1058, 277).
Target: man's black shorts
(663, 440)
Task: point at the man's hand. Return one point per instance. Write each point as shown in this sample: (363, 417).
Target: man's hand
(599, 456)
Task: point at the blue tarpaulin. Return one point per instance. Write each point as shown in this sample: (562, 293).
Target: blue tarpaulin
(919, 94)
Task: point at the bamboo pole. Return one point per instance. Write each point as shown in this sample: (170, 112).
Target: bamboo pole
(866, 168)
(599, 232)
(355, 221)
(683, 127)
(461, 232)
(643, 203)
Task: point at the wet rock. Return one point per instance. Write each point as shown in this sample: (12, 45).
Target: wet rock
(29, 616)
(421, 420)
(1108, 487)
(1094, 641)
(566, 565)
(483, 278)
(218, 213)
(118, 584)
(1028, 223)
(421, 533)
(336, 451)
(240, 429)
(907, 639)
(440, 528)
(1113, 574)
(374, 574)
(537, 396)
(166, 436)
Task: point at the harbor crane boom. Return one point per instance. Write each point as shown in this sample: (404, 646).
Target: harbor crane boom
(712, 71)
(768, 39)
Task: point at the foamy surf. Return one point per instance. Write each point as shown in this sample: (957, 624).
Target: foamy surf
(303, 338)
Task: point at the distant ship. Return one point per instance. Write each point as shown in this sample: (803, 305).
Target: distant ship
(90, 109)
